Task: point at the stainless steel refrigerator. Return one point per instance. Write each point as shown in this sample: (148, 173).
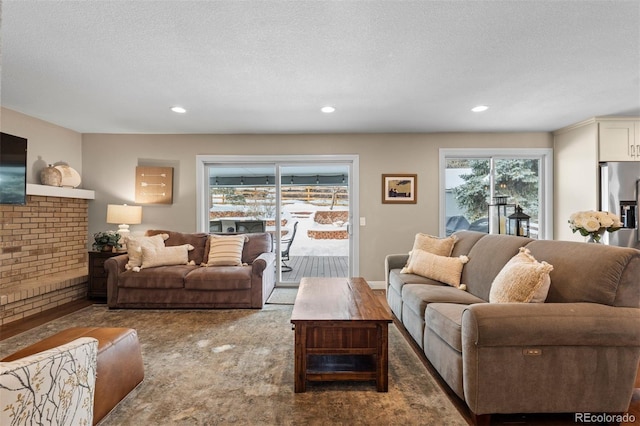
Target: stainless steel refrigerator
(620, 192)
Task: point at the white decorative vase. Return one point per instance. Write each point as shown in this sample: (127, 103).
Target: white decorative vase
(70, 177)
(51, 176)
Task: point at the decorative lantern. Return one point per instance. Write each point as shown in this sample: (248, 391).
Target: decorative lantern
(518, 223)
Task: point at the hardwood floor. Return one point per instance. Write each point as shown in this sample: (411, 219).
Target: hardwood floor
(316, 266)
(20, 326)
(17, 327)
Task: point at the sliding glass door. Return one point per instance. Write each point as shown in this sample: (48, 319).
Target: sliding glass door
(305, 202)
(315, 214)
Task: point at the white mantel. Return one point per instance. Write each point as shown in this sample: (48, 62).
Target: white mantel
(60, 191)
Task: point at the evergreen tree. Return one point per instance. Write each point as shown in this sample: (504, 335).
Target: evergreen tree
(517, 179)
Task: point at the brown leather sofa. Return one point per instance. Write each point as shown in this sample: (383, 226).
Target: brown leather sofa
(577, 352)
(195, 286)
(119, 362)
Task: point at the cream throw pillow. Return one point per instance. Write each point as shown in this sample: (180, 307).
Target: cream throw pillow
(135, 244)
(435, 245)
(165, 256)
(522, 280)
(431, 244)
(225, 250)
(440, 268)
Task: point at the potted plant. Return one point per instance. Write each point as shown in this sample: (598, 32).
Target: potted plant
(106, 241)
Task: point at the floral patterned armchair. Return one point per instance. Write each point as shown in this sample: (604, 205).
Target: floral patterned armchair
(54, 387)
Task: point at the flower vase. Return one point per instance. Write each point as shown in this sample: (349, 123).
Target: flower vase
(596, 237)
(107, 248)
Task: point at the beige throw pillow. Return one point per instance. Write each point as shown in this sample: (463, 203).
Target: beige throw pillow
(225, 250)
(431, 244)
(435, 245)
(440, 268)
(135, 244)
(165, 256)
(522, 280)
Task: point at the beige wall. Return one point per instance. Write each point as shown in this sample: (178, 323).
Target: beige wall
(47, 143)
(109, 162)
(107, 165)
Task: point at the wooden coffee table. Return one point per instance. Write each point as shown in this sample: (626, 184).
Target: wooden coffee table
(341, 332)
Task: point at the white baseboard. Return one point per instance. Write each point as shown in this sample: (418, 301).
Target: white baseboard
(377, 285)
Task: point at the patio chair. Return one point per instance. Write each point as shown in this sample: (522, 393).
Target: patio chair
(284, 255)
(215, 226)
(248, 226)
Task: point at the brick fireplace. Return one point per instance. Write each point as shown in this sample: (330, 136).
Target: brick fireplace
(43, 252)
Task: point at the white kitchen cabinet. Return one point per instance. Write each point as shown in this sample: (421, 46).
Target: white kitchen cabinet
(619, 140)
(577, 151)
(575, 175)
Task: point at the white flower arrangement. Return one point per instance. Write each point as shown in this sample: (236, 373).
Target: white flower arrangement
(594, 223)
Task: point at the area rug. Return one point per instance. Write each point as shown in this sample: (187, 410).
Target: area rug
(214, 367)
(283, 296)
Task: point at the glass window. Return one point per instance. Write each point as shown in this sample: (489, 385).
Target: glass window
(481, 192)
(466, 193)
(241, 196)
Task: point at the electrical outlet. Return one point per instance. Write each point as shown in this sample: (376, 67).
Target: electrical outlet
(363, 221)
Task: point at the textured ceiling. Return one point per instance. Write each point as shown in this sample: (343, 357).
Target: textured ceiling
(268, 66)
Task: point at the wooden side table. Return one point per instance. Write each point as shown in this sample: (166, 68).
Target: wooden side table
(98, 275)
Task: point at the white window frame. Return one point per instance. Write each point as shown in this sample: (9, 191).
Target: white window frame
(545, 155)
(202, 219)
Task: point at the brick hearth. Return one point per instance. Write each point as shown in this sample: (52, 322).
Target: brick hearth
(43, 255)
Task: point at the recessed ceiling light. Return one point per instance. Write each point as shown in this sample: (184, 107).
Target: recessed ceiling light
(178, 109)
(327, 109)
(480, 108)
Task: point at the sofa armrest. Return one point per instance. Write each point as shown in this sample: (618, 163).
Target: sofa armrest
(394, 261)
(260, 264)
(263, 278)
(531, 357)
(114, 267)
(55, 386)
(550, 324)
(118, 263)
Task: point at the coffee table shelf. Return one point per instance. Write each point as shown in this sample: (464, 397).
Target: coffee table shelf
(337, 364)
(322, 368)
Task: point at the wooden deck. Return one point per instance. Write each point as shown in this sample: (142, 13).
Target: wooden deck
(316, 266)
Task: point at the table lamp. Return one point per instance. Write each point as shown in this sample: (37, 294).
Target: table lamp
(124, 215)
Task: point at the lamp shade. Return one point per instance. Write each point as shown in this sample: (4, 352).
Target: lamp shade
(124, 214)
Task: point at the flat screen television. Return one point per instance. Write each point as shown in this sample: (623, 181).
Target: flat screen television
(13, 169)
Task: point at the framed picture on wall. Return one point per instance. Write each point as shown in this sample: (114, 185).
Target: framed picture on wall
(399, 188)
(154, 185)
